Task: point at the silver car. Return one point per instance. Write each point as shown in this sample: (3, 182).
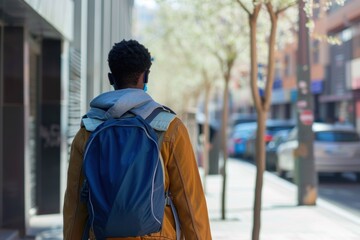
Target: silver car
(336, 150)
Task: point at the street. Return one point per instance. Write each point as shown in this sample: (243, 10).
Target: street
(282, 218)
(342, 191)
(280, 214)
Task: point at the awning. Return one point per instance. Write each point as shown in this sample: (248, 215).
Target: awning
(52, 19)
(336, 98)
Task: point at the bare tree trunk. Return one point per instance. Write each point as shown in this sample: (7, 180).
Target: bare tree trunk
(260, 167)
(262, 104)
(262, 108)
(224, 143)
(206, 142)
(260, 148)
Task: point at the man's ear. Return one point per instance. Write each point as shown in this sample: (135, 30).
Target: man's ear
(111, 79)
(146, 76)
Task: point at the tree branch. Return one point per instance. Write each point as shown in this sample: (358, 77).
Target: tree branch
(256, 11)
(254, 66)
(271, 12)
(271, 57)
(244, 7)
(218, 57)
(286, 7)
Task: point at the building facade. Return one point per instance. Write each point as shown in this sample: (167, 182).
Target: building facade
(334, 68)
(341, 99)
(34, 47)
(335, 74)
(53, 61)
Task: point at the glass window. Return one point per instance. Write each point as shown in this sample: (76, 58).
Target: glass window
(346, 35)
(275, 129)
(316, 51)
(293, 135)
(336, 136)
(278, 69)
(316, 10)
(287, 65)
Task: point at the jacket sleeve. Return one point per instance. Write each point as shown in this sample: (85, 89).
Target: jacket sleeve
(185, 185)
(74, 212)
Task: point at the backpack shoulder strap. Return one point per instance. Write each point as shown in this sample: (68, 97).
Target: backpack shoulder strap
(90, 123)
(160, 120)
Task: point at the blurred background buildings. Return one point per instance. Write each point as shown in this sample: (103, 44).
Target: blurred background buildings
(335, 72)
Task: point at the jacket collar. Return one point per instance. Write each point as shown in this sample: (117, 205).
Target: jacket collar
(114, 104)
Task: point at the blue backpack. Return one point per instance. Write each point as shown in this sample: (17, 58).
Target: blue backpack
(124, 177)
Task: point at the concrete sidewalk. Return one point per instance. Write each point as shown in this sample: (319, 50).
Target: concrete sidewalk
(281, 218)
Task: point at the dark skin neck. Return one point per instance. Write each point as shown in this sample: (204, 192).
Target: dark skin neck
(139, 85)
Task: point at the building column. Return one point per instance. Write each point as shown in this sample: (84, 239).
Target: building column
(49, 140)
(13, 134)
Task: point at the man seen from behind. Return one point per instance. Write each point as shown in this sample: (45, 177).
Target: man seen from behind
(130, 63)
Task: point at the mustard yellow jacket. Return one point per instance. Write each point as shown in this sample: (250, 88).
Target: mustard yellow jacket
(181, 177)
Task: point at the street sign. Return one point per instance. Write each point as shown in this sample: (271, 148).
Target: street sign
(306, 117)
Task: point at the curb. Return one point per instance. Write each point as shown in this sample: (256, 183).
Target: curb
(319, 202)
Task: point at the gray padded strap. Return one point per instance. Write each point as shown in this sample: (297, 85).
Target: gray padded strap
(162, 121)
(91, 123)
(160, 124)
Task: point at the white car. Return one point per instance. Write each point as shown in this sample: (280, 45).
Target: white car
(336, 150)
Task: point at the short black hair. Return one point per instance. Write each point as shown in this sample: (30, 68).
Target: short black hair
(127, 61)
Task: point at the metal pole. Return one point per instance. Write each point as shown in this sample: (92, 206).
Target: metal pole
(305, 174)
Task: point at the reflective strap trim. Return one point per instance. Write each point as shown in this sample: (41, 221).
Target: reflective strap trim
(175, 214)
(91, 123)
(162, 121)
(163, 167)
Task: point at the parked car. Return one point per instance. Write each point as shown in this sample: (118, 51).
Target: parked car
(272, 127)
(271, 148)
(336, 150)
(238, 118)
(238, 138)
